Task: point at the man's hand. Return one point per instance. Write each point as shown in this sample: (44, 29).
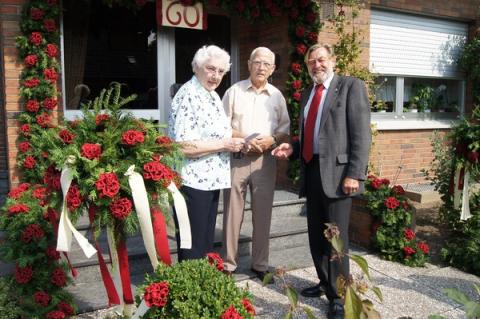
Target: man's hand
(350, 185)
(260, 144)
(282, 151)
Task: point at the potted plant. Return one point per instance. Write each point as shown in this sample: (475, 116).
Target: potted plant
(379, 106)
(422, 97)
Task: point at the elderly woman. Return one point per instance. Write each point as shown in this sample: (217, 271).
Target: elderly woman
(198, 121)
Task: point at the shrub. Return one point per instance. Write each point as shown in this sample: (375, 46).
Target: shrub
(8, 308)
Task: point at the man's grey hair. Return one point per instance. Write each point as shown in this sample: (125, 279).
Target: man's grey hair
(211, 52)
(264, 50)
(326, 46)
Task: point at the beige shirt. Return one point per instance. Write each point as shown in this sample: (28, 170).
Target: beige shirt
(251, 112)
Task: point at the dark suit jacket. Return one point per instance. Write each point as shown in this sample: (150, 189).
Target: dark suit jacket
(345, 135)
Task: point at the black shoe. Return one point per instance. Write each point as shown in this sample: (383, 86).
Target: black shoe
(228, 273)
(314, 291)
(335, 311)
(262, 274)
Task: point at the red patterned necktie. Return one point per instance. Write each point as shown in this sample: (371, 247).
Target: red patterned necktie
(307, 151)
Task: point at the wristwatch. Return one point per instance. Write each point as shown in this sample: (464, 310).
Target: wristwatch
(274, 142)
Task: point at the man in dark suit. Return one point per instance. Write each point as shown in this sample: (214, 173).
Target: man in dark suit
(334, 145)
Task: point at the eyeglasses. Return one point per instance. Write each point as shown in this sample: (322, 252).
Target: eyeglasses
(213, 70)
(257, 64)
(319, 60)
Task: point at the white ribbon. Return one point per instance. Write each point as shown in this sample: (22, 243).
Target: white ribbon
(65, 226)
(465, 213)
(141, 310)
(140, 199)
(182, 217)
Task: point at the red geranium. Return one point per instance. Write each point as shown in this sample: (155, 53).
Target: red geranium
(391, 203)
(297, 96)
(66, 136)
(156, 171)
(164, 141)
(385, 181)
(65, 308)
(310, 17)
(248, 306)
(43, 119)
(24, 146)
(32, 232)
(424, 247)
(301, 49)
(473, 157)
(100, 118)
(300, 31)
(49, 25)
(215, 260)
(296, 68)
(25, 129)
(36, 38)
(121, 208)
(52, 253)
(297, 84)
(409, 234)
(91, 151)
(36, 14)
(30, 60)
(52, 178)
(58, 277)
(29, 162)
(16, 192)
(23, 274)
(55, 314)
(32, 106)
(31, 83)
(408, 251)
(50, 103)
(17, 209)
(74, 198)
(108, 184)
(312, 36)
(398, 190)
(42, 298)
(376, 183)
(231, 313)
(40, 192)
(51, 75)
(156, 294)
(132, 137)
(51, 50)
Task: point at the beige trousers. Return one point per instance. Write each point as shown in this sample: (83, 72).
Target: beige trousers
(258, 172)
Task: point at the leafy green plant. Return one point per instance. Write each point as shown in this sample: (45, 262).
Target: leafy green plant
(9, 309)
(472, 307)
(194, 289)
(422, 97)
(470, 63)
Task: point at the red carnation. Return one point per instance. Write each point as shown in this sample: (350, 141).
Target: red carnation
(473, 157)
(24, 146)
(31, 83)
(408, 234)
(91, 151)
(51, 50)
(391, 203)
(17, 209)
(43, 120)
(23, 274)
(65, 308)
(164, 141)
(51, 75)
(29, 162)
(121, 208)
(58, 277)
(66, 136)
(25, 129)
(108, 184)
(36, 14)
(231, 313)
(424, 247)
(32, 106)
(49, 25)
(310, 17)
(55, 314)
(296, 68)
(376, 183)
(52, 178)
(297, 96)
(297, 84)
(100, 118)
(42, 298)
(408, 251)
(52, 253)
(385, 181)
(156, 294)
(132, 137)
(156, 171)
(215, 260)
(398, 190)
(50, 103)
(32, 232)
(30, 60)
(16, 192)
(301, 49)
(74, 198)
(248, 306)
(36, 38)
(312, 36)
(300, 31)
(40, 192)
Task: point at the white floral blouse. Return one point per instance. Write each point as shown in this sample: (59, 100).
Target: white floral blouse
(198, 114)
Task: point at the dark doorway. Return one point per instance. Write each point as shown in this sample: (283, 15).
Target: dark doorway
(188, 41)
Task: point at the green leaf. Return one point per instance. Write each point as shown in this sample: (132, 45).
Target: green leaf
(309, 313)
(337, 244)
(289, 315)
(362, 263)
(477, 288)
(456, 296)
(378, 292)
(353, 304)
(472, 309)
(267, 279)
(292, 296)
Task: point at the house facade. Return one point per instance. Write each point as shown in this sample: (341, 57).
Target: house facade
(411, 46)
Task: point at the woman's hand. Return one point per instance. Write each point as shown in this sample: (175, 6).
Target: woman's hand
(234, 144)
(282, 151)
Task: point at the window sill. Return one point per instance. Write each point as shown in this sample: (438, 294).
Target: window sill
(406, 123)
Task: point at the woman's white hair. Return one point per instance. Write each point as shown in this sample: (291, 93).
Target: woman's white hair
(211, 52)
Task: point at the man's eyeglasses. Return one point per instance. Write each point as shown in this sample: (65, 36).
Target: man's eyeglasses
(212, 69)
(319, 60)
(257, 64)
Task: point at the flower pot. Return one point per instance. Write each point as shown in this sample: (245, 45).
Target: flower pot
(412, 111)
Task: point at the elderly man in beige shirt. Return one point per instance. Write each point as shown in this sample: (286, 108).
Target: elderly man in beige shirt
(258, 113)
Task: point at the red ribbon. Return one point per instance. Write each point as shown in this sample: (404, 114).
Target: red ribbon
(124, 272)
(161, 238)
(461, 178)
